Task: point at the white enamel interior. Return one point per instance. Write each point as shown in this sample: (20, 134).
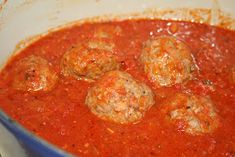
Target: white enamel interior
(24, 18)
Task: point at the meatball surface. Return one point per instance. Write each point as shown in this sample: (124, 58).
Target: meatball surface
(166, 61)
(118, 97)
(233, 75)
(101, 44)
(107, 31)
(89, 60)
(193, 114)
(33, 73)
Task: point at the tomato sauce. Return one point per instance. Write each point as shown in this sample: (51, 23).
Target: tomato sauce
(61, 117)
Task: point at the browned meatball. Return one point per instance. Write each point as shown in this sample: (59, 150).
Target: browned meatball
(33, 73)
(89, 60)
(107, 31)
(193, 114)
(118, 97)
(232, 75)
(103, 37)
(166, 60)
(101, 44)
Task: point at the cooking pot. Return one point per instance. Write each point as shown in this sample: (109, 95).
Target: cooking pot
(22, 21)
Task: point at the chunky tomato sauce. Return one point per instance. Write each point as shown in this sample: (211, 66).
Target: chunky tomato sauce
(61, 117)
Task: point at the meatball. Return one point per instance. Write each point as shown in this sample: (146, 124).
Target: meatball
(88, 61)
(193, 114)
(33, 73)
(118, 97)
(107, 31)
(103, 37)
(233, 75)
(101, 44)
(166, 61)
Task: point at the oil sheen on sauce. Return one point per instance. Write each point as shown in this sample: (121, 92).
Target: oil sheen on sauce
(61, 117)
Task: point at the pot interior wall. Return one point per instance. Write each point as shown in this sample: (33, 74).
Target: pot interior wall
(23, 19)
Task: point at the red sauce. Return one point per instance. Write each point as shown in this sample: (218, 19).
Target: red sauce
(61, 117)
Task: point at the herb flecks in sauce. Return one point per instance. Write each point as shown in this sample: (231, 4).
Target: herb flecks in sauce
(60, 115)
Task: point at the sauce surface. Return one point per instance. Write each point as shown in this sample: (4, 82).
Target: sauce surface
(61, 117)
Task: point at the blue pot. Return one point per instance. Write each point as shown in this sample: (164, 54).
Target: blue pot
(33, 145)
